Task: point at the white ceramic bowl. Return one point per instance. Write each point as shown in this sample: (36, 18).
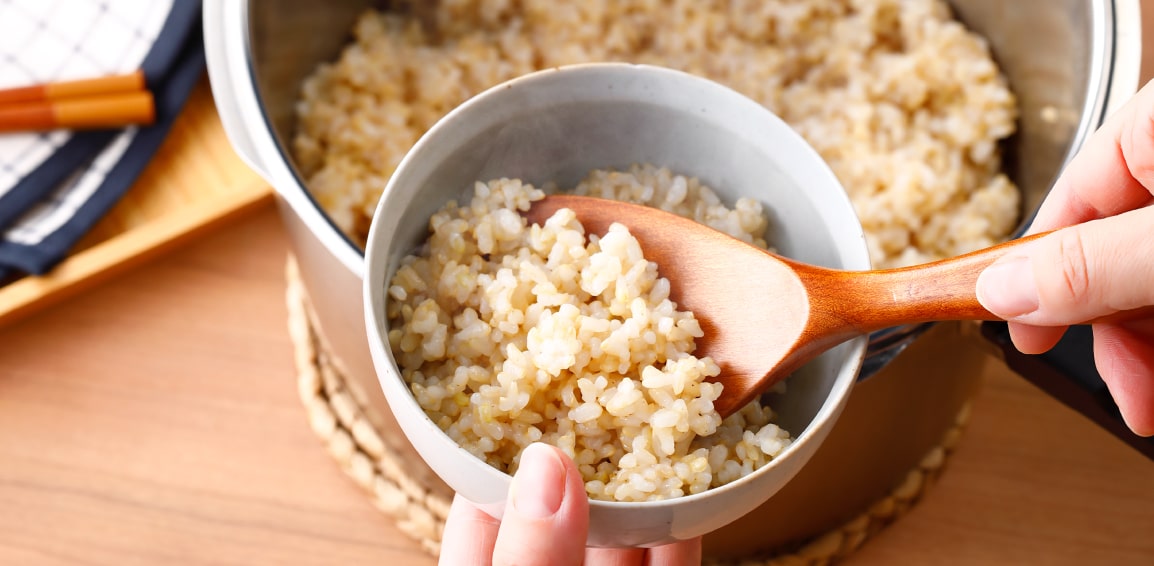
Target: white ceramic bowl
(558, 125)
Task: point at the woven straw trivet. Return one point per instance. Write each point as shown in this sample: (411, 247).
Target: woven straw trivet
(338, 419)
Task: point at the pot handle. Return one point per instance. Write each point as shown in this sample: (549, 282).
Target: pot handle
(1067, 373)
(225, 33)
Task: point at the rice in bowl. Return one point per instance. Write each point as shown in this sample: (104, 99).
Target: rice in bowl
(509, 334)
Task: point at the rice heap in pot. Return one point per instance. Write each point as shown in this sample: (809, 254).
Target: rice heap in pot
(510, 334)
(903, 102)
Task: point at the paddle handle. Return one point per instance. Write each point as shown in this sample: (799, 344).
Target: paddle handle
(857, 302)
(848, 303)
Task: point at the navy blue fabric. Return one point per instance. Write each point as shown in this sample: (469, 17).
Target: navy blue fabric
(183, 22)
(170, 98)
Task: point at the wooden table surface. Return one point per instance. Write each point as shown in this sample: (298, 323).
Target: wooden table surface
(154, 419)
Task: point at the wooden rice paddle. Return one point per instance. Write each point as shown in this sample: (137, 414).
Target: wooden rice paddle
(764, 315)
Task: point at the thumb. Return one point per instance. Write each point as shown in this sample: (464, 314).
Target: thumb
(546, 519)
(1076, 274)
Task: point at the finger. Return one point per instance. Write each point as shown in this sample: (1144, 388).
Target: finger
(546, 519)
(1076, 274)
(1111, 174)
(1035, 339)
(469, 535)
(683, 553)
(615, 556)
(1124, 355)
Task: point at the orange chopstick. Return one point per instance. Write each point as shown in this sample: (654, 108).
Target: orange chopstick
(101, 111)
(73, 89)
(101, 102)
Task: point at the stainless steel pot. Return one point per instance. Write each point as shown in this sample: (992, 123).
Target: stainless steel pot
(1069, 61)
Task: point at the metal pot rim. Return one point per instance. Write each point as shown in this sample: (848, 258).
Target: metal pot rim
(1113, 77)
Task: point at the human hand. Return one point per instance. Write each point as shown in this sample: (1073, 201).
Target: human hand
(1099, 261)
(546, 522)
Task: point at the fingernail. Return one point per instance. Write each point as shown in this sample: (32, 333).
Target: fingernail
(539, 484)
(1007, 288)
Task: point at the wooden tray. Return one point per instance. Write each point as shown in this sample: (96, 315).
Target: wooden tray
(194, 183)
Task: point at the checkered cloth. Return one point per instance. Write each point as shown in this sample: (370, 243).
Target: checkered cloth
(55, 185)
